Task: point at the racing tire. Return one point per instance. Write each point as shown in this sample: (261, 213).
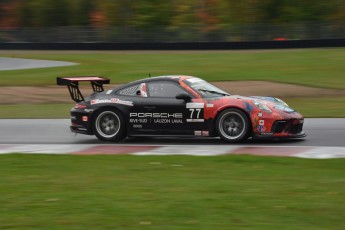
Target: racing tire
(109, 126)
(233, 126)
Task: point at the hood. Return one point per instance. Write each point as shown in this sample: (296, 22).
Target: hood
(276, 103)
(272, 103)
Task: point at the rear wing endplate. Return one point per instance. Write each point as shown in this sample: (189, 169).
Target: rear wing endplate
(73, 85)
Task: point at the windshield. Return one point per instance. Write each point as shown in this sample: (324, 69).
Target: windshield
(204, 88)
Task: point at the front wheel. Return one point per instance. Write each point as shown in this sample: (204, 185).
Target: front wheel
(233, 125)
(109, 126)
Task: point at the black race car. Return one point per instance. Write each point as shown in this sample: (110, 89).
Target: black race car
(177, 106)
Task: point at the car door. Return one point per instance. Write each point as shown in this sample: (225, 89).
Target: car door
(162, 112)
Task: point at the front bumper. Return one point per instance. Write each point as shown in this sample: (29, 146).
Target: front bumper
(274, 136)
(289, 128)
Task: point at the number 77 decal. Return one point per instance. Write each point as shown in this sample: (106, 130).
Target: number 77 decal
(196, 111)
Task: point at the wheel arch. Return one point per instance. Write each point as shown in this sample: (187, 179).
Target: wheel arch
(234, 107)
(104, 108)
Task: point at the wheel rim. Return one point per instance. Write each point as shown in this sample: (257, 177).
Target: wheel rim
(108, 124)
(232, 125)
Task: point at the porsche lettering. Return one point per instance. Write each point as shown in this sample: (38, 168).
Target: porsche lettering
(156, 115)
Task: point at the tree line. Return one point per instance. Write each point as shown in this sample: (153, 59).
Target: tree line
(209, 15)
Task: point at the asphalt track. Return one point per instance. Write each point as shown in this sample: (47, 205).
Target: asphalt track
(22, 63)
(326, 132)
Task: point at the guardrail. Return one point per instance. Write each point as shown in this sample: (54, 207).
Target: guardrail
(280, 44)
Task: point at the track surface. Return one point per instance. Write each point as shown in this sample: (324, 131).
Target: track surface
(321, 132)
(21, 63)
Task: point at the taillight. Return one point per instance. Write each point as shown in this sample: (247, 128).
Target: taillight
(79, 106)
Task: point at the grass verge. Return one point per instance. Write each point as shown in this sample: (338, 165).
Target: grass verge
(27, 111)
(322, 68)
(319, 107)
(175, 192)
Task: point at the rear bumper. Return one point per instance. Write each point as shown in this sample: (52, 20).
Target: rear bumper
(79, 129)
(80, 122)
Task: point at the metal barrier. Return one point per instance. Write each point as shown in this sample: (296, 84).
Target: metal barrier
(174, 45)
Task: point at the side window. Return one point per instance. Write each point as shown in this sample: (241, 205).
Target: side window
(130, 91)
(135, 90)
(164, 89)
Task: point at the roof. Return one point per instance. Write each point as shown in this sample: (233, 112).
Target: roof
(164, 77)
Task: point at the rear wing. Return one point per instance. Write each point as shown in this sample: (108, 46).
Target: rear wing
(73, 85)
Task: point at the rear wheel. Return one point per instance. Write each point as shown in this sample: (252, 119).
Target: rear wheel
(109, 126)
(233, 125)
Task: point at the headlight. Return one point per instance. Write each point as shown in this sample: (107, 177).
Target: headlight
(283, 106)
(282, 102)
(262, 106)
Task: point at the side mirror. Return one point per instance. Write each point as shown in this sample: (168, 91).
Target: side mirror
(184, 96)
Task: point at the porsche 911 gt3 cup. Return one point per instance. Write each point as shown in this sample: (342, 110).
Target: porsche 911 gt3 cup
(177, 106)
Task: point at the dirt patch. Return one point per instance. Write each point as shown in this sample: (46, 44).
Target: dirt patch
(265, 88)
(59, 94)
(37, 95)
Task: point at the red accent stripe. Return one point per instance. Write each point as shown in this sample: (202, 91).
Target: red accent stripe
(270, 151)
(5, 146)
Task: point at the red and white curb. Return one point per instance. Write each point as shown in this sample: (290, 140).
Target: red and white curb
(202, 150)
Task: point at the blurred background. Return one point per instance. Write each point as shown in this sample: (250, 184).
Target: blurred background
(170, 20)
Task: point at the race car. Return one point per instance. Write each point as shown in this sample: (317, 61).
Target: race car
(177, 106)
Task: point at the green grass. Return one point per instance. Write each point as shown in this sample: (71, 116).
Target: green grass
(175, 192)
(35, 111)
(319, 107)
(313, 67)
(309, 107)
